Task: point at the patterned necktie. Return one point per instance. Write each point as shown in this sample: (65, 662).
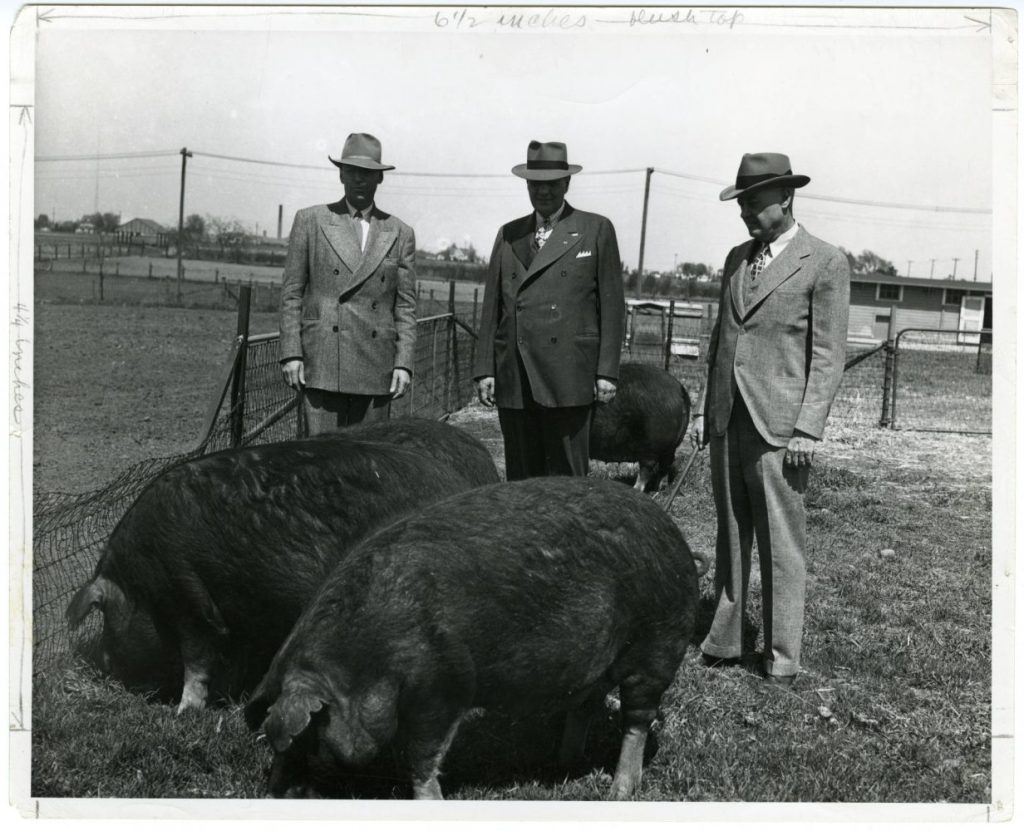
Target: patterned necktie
(542, 233)
(757, 266)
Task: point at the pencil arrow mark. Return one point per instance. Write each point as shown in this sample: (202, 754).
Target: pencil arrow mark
(982, 24)
(26, 112)
(44, 16)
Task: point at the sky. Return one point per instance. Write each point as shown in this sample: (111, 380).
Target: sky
(877, 106)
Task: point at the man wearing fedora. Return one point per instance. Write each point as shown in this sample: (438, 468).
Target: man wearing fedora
(348, 303)
(552, 323)
(775, 361)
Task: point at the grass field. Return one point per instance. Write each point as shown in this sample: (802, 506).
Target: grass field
(894, 704)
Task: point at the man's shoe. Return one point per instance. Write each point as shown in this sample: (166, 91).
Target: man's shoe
(780, 680)
(714, 662)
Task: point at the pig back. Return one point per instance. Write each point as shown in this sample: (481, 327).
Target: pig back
(240, 540)
(524, 592)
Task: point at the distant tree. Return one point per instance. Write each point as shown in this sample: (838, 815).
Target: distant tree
(225, 231)
(42, 221)
(68, 226)
(103, 222)
(869, 262)
(194, 228)
(693, 269)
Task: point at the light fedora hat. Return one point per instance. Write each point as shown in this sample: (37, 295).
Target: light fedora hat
(761, 170)
(546, 160)
(362, 150)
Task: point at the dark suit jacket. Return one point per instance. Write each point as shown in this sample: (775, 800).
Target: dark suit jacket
(350, 314)
(562, 313)
(783, 350)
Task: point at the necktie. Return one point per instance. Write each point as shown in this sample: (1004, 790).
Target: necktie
(757, 266)
(542, 233)
(358, 219)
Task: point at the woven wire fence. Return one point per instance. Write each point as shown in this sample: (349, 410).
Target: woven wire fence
(942, 381)
(69, 530)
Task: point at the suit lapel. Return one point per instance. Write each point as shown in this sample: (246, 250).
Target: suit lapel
(780, 269)
(738, 279)
(341, 234)
(378, 242)
(565, 237)
(521, 236)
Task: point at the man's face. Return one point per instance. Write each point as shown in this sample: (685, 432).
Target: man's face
(360, 185)
(763, 212)
(547, 197)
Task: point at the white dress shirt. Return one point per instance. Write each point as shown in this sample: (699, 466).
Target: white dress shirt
(777, 246)
(362, 224)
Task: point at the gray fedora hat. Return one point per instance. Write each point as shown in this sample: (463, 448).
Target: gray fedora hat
(361, 150)
(546, 161)
(761, 170)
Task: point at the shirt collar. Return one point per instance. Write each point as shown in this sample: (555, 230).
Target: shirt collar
(351, 209)
(553, 219)
(782, 240)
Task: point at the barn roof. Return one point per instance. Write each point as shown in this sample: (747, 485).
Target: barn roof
(922, 282)
(155, 227)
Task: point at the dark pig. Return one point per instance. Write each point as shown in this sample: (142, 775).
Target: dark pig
(644, 423)
(531, 596)
(444, 442)
(206, 573)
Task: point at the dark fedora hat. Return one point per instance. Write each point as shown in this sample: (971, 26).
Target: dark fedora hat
(546, 160)
(362, 150)
(761, 170)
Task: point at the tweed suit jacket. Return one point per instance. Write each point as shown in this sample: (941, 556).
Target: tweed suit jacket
(783, 349)
(562, 313)
(350, 314)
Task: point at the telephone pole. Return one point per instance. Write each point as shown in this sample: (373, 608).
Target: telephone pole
(975, 265)
(955, 261)
(909, 263)
(643, 233)
(185, 154)
(932, 274)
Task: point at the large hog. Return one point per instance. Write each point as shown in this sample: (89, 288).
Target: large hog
(532, 595)
(204, 576)
(644, 423)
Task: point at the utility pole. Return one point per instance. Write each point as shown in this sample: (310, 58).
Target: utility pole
(280, 219)
(909, 263)
(975, 265)
(955, 261)
(932, 274)
(643, 233)
(185, 154)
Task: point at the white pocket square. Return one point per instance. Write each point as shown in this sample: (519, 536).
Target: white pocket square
(582, 254)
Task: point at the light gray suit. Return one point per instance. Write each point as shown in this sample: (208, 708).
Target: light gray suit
(775, 362)
(349, 314)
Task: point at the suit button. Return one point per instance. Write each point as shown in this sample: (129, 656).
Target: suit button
(373, 305)
(554, 340)
(514, 275)
(373, 334)
(563, 273)
(334, 328)
(382, 278)
(336, 271)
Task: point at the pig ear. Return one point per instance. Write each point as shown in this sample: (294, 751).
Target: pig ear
(290, 715)
(91, 596)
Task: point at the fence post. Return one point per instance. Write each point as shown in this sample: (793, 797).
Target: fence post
(631, 311)
(449, 357)
(151, 271)
(238, 380)
(889, 376)
(101, 281)
(476, 297)
(668, 337)
(433, 360)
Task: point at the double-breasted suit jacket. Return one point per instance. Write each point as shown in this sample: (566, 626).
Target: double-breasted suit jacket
(558, 316)
(350, 314)
(782, 347)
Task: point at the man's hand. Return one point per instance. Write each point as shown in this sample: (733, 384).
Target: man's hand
(604, 390)
(698, 438)
(485, 390)
(294, 373)
(800, 450)
(400, 380)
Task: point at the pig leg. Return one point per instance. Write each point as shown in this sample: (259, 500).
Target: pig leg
(288, 774)
(648, 470)
(199, 658)
(577, 725)
(640, 697)
(427, 750)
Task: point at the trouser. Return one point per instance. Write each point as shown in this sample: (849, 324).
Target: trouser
(326, 410)
(757, 496)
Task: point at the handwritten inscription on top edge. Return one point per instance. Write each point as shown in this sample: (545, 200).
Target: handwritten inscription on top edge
(468, 19)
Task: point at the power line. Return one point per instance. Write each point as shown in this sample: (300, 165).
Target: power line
(844, 200)
(100, 156)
